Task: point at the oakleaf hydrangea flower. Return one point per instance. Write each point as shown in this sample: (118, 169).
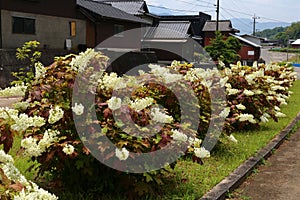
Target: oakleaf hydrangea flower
(232, 91)
(40, 70)
(247, 117)
(158, 116)
(140, 104)
(240, 107)
(55, 114)
(114, 103)
(122, 154)
(248, 92)
(30, 190)
(232, 138)
(201, 152)
(35, 148)
(18, 90)
(68, 149)
(78, 109)
(179, 136)
(225, 113)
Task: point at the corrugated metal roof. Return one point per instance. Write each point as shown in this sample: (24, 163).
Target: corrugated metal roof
(109, 11)
(134, 7)
(224, 25)
(246, 41)
(131, 7)
(169, 30)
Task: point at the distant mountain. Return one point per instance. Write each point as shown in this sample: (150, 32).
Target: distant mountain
(245, 25)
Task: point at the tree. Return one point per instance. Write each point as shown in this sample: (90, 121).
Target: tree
(225, 50)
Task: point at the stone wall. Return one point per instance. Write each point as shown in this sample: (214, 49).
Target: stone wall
(9, 63)
(120, 62)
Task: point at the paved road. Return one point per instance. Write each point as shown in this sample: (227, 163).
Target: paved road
(7, 102)
(270, 56)
(279, 179)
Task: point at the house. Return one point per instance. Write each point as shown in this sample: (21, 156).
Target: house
(175, 37)
(210, 27)
(83, 23)
(249, 52)
(254, 39)
(296, 44)
(169, 40)
(197, 23)
(104, 21)
(47, 21)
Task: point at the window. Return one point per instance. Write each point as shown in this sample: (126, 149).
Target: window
(118, 30)
(73, 28)
(23, 25)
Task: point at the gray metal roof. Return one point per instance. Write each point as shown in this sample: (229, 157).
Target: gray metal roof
(134, 7)
(169, 30)
(246, 41)
(224, 25)
(106, 10)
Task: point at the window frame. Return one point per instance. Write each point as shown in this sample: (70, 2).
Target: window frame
(26, 25)
(119, 30)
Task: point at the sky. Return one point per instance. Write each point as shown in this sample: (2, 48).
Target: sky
(266, 10)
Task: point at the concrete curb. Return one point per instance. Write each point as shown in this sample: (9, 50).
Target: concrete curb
(238, 176)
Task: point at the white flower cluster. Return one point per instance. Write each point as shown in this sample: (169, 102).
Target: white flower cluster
(35, 148)
(20, 122)
(114, 103)
(225, 112)
(232, 139)
(122, 154)
(140, 104)
(13, 91)
(78, 109)
(55, 114)
(31, 190)
(23, 122)
(240, 107)
(40, 70)
(112, 81)
(247, 117)
(165, 74)
(201, 152)
(158, 116)
(178, 136)
(68, 149)
(80, 62)
(248, 92)
(265, 118)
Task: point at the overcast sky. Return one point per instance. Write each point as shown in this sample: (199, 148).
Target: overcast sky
(267, 10)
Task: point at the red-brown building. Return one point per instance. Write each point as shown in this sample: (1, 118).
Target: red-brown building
(210, 27)
(249, 52)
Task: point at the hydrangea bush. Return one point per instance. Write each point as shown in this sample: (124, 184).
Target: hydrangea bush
(46, 115)
(15, 186)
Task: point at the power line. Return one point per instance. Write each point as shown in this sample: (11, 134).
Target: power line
(241, 21)
(212, 5)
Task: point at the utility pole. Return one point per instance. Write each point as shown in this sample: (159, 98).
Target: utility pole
(254, 23)
(218, 13)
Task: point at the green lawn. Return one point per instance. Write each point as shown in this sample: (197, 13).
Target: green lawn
(199, 179)
(190, 180)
